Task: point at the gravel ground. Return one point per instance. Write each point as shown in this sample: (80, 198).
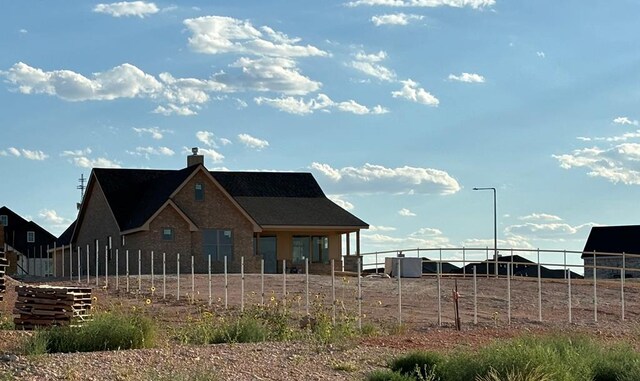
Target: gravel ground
(343, 361)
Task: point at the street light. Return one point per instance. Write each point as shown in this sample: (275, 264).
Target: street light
(495, 226)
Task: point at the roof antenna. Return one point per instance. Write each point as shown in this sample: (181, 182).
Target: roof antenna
(194, 150)
(81, 187)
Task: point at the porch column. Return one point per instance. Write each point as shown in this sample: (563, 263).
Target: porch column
(348, 244)
(257, 243)
(358, 243)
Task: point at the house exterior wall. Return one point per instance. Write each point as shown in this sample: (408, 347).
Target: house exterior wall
(632, 267)
(284, 242)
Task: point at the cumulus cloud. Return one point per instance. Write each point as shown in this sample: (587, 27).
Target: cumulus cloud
(369, 64)
(156, 151)
(154, 132)
(52, 217)
(412, 92)
(371, 178)
(395, 19)
(25, 153)
(475, 4)
(467, 77)
(422, 238)
(540, 217)
(507, 242)
(341, 202)
(252, 142)
(207, 138)
(127, 8)
(219, 34)
(381, 228)
(100, 162)
(404, 212)
(625, 120)
(322, 102)
(549, 230)
(78, 152)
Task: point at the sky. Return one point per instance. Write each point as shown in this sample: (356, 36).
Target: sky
(398, 107)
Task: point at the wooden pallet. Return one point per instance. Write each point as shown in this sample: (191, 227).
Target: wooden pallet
(43, 306)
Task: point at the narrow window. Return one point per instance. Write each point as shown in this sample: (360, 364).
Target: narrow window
(4, 220)
(167, 234)
(199, 192)
(31, 237)
(122, 240)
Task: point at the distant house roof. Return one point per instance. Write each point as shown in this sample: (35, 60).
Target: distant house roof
(65, 237)
(15, 233)
(613, 239)
(272, 199)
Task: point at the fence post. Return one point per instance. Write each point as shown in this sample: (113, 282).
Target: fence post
(399, 275)
(509, 269)
(333, 291)
(475, 297)
(376, 262)
(439, 276)
(193, 281)
(54, 250)
(487, 261)
(153, 284)
(262, 282)
(595, 289)
(164, 275)
(464, 269)
(539, 288)
(359, 293)
(117, 271)
(79, 264)
(139, 270)
(565, 264)
(226, 284)
(209, 273)
(306, 273)
(284, 283)
(70, 263)
(242, 284)
(106, 267)
(127, 267)
(569, 284)
(178, 276)
(97, 262)
(88, 265)
(622, 279)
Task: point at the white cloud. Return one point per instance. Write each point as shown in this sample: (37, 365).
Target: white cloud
(404, 212)
(550, 230)
(101, 162)
(412, 92)
(423, 238)
(322, 102)
(344, 204)
(23, 31)
(507, 242)
(218, 34)
(252, 142)
(52, 217)
(540, 217)
(381, 228)
(369, 65)
(207, 138)
(127, 8)
(225, 141)
(209, 153)
(395, 19)
(618, 163)
(541, 54)
(275, 74)
(625, 120)
(171, 109)
(475, 4)
(372, 178)
(79, 152)
(467, 77)
(27, 154)
(157, 151)
(154, 132)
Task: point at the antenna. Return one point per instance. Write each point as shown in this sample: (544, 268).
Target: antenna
(81, 187)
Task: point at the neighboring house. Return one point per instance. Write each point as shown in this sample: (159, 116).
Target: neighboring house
(27, 244)
(275, 216)
(431, 267)
(62, 253)
(608, 243)
(521, 267)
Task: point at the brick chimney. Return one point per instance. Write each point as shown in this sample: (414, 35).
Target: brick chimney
(195, 159)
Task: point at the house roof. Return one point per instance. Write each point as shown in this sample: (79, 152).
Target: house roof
(65, 237)
(15, 233)
(613, 239)
(269, 198)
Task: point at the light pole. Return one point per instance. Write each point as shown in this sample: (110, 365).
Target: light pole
(495, 226)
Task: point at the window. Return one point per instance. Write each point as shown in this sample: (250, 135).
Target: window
(199, 192)
(4, 220)
(218, 243)
(316, 248)
(320, 249)
(123, 240)
(167, 234)
(31, 237)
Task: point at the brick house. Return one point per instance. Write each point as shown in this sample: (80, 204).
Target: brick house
(606, 244)
(26, 245)
(275, 216)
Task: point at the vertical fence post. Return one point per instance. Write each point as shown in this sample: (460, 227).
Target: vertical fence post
(178, 276)
(164, 275)
(209, 273)
(106, 266)
(97, 263)
(306, 277)
(487, 261)
(569, 296)
(54, 260)
(226, 284)
(127, 268)
(193, 280)
(117, 270)
(398, 274)
(79, 264)
(70, 263)
(376, 262)
(595, 289)
(153, 283)
(333, 292)
(139, 270)
(262, 282)
(88, 265)
(539, 288)
(565, 264)
(509, 269)
(284, 283)
(242, 284)
(439, 276)
(464, 259)
(475, 297)
(359, 293)
(622, 279)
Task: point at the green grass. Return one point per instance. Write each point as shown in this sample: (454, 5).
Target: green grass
(6, 322)
(108, 331)
(557, 358)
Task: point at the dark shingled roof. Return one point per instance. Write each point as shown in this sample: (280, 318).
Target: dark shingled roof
(65, 237)
(15, 234)
(613, 239)
(270, 198)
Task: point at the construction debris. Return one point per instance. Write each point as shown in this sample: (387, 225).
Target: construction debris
(4, 263)
(45, 306)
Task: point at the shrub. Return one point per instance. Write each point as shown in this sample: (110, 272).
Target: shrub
(418, 364)
(388, 375)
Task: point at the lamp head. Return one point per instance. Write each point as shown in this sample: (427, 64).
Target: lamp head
(475, 188)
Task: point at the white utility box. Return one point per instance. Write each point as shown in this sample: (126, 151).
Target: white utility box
(409, 267)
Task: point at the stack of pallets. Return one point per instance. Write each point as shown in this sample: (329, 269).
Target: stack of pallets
(44, 306)
(3, 266)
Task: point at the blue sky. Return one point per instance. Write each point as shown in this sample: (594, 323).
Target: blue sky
(398, 107)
